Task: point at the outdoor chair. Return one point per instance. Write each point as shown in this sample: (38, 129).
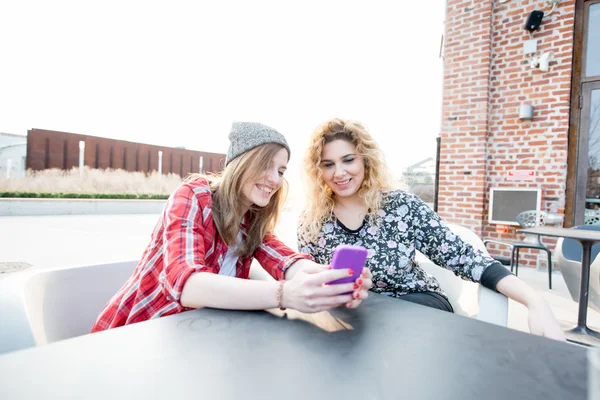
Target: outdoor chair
(592, 217)
(527, 219)
(64, 303)
(568, 257)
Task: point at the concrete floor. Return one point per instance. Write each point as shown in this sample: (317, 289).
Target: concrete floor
(68, 240)
(559, 298)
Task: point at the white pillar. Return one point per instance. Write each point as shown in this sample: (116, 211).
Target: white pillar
(81, 154)
(160, 162)
(201, 164)
(8, 167)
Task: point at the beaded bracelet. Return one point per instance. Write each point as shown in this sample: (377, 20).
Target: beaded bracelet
(280, 296)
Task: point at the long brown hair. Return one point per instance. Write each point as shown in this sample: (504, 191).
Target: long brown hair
(228, 208)
(320, 200)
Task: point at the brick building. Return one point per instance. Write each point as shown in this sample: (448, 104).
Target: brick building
(488, 76)
(52, 149)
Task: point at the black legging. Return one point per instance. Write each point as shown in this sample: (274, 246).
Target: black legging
(429, 299)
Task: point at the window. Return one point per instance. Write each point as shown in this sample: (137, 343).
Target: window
(592, 45)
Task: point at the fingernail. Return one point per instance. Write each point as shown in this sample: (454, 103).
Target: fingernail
(350, 272)
(356, 286)
(360, 281)
(349, 305)
(357, 295)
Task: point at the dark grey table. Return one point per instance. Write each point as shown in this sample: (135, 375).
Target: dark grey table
(581, 333)
(386, 349)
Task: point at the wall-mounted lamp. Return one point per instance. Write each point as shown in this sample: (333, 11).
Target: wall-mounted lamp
(526, 112)
(542, 62)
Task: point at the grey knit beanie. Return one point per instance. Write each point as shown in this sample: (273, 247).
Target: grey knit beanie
(245, 136)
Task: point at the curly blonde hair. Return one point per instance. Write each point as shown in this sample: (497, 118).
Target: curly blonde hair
(320, 198)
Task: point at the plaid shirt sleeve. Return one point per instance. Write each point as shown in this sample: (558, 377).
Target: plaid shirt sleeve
(275, 257)
(183, 238)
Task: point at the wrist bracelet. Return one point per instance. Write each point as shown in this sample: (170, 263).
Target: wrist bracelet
(280, 296)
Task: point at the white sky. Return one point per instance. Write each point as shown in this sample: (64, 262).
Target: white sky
(177, 73)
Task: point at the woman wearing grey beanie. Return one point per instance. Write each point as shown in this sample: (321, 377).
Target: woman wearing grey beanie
(210, 230)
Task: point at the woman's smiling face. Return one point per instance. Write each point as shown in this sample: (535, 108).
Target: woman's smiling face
(343, 168)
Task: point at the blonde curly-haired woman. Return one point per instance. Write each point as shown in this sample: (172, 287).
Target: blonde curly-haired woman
(352, 200)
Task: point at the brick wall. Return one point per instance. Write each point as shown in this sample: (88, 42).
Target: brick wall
(52, 149)
(467, 59)
(487, 77)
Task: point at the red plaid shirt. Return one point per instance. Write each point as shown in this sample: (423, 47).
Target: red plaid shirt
(184, 241)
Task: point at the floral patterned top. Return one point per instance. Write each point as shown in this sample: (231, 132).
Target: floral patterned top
(403, 225)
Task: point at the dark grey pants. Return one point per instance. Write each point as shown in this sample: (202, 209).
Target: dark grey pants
(429, 299)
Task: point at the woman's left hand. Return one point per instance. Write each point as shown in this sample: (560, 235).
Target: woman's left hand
(364, 283)
(542, 321)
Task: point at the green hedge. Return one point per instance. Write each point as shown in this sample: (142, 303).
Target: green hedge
(33, 195)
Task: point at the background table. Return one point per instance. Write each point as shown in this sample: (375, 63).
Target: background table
(581, 333)
(386, 349)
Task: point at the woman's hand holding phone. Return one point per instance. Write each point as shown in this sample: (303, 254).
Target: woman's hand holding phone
(364, 283)
(353, 258)
(315, 287)
(308, 290)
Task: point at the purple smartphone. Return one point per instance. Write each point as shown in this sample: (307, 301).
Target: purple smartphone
(349, 257)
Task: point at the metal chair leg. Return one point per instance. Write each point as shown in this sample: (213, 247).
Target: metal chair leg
(549, 269)
(512, 259)
(517, 261)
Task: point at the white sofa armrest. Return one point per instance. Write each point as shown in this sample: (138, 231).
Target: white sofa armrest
(468, 298)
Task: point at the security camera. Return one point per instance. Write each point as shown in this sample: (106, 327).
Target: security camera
(534, 20)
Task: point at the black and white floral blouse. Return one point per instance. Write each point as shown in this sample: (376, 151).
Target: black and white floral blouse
(403, 224)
